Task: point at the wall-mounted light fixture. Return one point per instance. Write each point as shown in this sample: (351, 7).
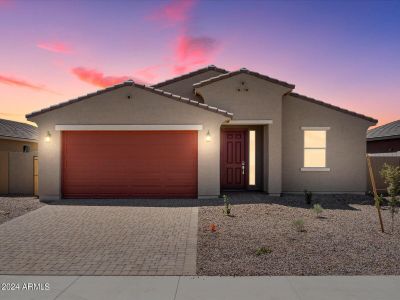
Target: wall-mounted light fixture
(208, 136)
(47, 137)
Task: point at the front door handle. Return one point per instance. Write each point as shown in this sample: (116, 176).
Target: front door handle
(243, 167)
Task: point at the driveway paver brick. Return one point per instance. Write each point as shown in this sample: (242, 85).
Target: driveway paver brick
(100, 240)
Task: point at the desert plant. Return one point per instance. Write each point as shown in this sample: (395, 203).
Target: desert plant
(317, 209)
(263, 250)
(308, 197)
(299, 225)
(391, 175)
(379, 200)
(227, 205)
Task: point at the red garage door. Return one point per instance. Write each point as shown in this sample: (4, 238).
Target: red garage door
(123, 164)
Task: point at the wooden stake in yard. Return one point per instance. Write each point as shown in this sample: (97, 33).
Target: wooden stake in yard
(377, 204)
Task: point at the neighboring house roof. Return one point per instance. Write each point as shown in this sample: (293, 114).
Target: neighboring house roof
(188, 75)
(141, 86)
(387, 131)
(17, 130)
(305, 98)
(242, 71)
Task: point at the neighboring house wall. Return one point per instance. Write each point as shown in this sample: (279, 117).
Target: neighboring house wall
(263, 100)
(16, 173)
(3, 172)
(384, 145)
(13, 145)
(21, 173)
(345, 152)
(184, 87)
(113, 107)
(16, 167)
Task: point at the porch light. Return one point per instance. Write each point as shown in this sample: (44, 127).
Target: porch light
(48, 137)
(208, 136)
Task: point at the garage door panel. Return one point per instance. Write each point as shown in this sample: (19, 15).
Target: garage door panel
(152, 164)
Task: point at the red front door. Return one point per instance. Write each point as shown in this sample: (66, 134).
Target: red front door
(233, 159)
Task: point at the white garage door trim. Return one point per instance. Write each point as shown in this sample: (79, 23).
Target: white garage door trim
(128, 127)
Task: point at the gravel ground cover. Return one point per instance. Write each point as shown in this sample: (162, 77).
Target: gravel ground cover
(12, 207)
(344, 240)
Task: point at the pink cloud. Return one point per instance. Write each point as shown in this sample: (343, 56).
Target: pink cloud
(97, 78)
(176, 11)
(191, 52)
(5, 3)
(57, 47)
(9, 80)
(148, 74)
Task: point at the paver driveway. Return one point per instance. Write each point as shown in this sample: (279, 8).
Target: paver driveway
(100, 240)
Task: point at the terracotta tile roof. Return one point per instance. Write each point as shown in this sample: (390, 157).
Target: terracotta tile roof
(387, 131)
(188, 75)
(305, 98)
(242, 71)
(18, 130)
(141, 86)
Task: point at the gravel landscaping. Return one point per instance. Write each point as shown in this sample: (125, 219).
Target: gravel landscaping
(12, 207)
(261, 239)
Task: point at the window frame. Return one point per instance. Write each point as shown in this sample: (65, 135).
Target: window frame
(315, 169)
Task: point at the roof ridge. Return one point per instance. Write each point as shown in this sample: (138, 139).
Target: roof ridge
(306, 98)
(390, 129)
(130, 82)
(245, 71)
(15, 129)
(392, 123)
(13, 121)
(190, 74)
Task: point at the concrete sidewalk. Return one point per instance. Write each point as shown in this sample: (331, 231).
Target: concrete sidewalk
(190, 288)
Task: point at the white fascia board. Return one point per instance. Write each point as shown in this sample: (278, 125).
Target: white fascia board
(249, 122)
(314, 128)
(315, 169)
(17, 139)
(127, 127)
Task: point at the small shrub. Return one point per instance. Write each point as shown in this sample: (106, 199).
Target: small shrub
(227, 205)
(317, 209)
(308, 197)
(391, 175)
(262, 251)
(379, 200)
(299, 225)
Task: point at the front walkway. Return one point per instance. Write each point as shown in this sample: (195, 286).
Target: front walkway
(100, 240)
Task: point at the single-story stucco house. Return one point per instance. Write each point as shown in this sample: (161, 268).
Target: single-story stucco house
(384, 139)
(197, 135)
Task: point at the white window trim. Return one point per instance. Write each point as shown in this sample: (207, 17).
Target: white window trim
(315, 169)
(315, 128)
(127, 127)
(249, 122)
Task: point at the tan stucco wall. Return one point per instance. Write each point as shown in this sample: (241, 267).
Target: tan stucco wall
(262, 101)
(184, 87)
(21, 173)
(16, 172)
(346, 148)
(3, 172)
(114, 108)
(16, 146)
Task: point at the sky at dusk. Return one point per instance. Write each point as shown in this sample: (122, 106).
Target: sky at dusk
(346, 53)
